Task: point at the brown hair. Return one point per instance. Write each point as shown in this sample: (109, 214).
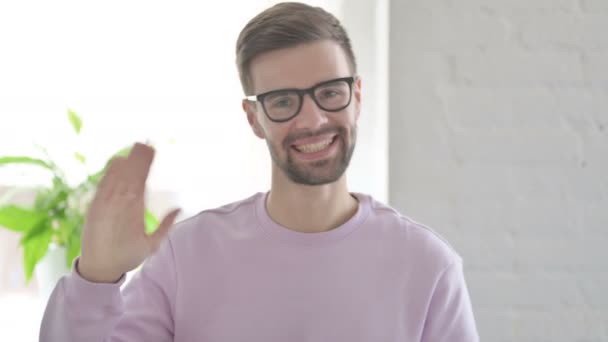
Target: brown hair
(286, 25)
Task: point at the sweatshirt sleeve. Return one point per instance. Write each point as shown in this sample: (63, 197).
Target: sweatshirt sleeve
(450, 315)
(79, 310)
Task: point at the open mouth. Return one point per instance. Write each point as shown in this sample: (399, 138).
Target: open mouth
(317, 149)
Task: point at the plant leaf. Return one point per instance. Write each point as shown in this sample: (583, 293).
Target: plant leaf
(150, 221)
(34, 250)
(75, 121)
(62, 230)
(72, 248)
(50, 199)
(36, 230)
(24, 160)
(82, 159)
(20, 219)
(42, 197)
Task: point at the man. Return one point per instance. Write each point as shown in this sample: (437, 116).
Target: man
(307, 261)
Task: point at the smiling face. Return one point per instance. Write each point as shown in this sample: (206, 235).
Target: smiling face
(315, 146)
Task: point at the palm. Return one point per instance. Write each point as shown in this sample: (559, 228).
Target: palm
(114, 240)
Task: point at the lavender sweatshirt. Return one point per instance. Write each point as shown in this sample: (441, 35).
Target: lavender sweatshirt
(233, 274)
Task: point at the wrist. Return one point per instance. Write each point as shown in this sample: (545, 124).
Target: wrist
(94, 275)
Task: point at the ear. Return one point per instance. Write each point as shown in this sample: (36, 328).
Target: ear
(250, 110)
(357, 94)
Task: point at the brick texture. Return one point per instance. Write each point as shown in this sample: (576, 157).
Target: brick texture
(499, 141)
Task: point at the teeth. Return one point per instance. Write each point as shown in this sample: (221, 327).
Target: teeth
(311, 148)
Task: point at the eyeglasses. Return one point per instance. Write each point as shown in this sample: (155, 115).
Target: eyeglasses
(284, 104)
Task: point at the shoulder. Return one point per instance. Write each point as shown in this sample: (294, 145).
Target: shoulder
(416, 239)
(213, 220)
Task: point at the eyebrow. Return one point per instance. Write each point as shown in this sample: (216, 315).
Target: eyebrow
(329, 80)
(280, 91)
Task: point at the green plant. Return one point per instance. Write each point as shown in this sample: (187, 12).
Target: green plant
(58, 212)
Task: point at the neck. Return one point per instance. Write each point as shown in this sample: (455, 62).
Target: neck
(310, 209)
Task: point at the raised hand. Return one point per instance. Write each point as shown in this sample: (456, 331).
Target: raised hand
(114, 240)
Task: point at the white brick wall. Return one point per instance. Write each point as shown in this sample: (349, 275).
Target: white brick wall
(595, 5)
(499, 140)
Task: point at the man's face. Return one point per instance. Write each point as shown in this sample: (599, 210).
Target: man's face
(314, 147)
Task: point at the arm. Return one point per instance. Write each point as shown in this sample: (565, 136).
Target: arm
(80, 310)
(450, 315)
(87, 305)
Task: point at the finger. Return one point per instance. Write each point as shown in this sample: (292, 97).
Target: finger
(116, 166)
(113, 177)
(163, 229)
(139, 162)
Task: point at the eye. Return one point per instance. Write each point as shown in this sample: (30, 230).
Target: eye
(329, 93)
(332, 90)
(281, 102)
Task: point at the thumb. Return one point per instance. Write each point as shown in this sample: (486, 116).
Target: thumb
(164, 227)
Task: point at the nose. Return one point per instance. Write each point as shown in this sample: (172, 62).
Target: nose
(310, 116)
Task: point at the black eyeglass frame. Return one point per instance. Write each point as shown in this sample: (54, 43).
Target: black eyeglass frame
(301, 92)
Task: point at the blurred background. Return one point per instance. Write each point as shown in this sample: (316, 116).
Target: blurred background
(484, 119)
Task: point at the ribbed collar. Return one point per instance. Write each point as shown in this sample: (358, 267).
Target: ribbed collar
(280, 232)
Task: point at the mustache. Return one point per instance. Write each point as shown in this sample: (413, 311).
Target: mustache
(309, 134)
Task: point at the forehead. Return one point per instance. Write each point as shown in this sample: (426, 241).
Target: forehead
(301, 66)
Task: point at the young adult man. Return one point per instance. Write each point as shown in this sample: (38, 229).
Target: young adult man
(306, 261)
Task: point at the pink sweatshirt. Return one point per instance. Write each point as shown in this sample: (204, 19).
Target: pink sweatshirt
(233, 274)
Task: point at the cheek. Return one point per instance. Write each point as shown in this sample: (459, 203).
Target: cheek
(274, 135)
(349, 120)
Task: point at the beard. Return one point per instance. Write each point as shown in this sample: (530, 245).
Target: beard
(317, 172)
